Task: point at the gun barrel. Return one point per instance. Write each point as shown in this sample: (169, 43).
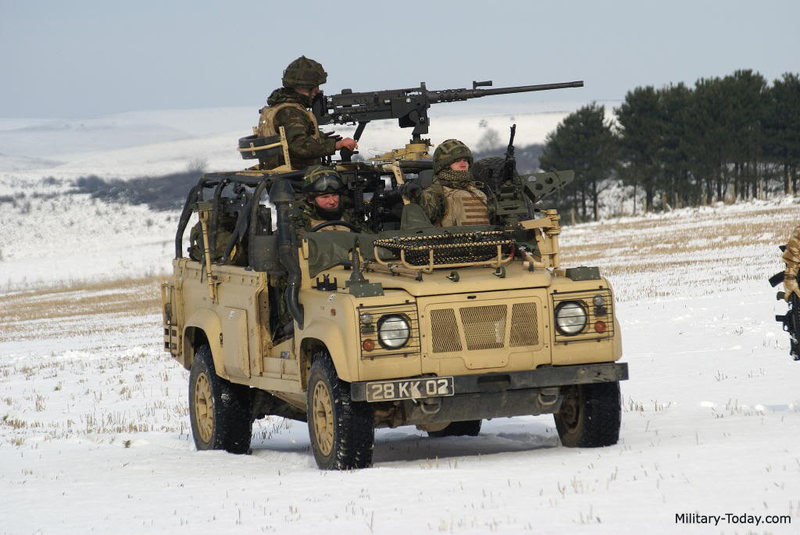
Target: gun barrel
(450, 95)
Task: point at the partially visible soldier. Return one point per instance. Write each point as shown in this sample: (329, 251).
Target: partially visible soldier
(289, 107)
(324, 189)
(454, 198)
(792, 258)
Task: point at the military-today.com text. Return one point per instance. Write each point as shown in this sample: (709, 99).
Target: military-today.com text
(731, 518)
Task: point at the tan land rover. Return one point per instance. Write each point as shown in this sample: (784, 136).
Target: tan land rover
(394, 323)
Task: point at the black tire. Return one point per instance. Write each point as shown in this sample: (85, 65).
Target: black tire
(341, 430)
(471, 428)
(219, 410)
(590, 415)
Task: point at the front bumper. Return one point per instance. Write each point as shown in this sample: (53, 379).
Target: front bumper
(542, 377)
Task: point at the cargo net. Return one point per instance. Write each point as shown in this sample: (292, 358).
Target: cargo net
(448, 250)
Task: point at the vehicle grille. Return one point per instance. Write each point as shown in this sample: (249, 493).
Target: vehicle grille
(523, 325)
(483, 327)
(444, 331)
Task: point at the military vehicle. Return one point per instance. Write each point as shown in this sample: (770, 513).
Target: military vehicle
(394, 323)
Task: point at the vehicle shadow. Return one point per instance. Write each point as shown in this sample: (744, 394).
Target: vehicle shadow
(406, 443)
(393, 446)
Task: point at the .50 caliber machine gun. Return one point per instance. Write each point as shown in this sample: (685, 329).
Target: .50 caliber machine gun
(408, 106)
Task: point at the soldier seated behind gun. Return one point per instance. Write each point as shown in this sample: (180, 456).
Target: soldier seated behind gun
(289, 107)
(454, 198)
(792, 258)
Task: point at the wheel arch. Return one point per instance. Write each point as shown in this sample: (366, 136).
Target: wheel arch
(203, 328)
(332, 342)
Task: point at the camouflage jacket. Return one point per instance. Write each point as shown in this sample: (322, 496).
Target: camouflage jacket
(455, 202)
(306, 145)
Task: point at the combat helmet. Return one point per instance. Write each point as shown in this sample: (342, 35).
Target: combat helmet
(320, 180)
(304, 73)
(449, 151)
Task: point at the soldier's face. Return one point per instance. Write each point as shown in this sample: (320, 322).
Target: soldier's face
(460, 165)
(313, 92)
(328, 201)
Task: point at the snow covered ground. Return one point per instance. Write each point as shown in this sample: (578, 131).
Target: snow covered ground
(94, 434)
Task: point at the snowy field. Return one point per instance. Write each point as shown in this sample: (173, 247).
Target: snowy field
(94, 433)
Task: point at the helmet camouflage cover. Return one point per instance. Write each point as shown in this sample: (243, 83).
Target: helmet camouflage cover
(320, 180)
(304, 73)
(450, 151)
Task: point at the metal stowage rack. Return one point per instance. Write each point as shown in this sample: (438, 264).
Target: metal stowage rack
(484, 248)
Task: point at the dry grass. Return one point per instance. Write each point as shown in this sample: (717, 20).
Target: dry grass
(23, 312)
(742, 245)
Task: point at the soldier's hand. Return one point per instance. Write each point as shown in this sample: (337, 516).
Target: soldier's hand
(790, 288)
(347, 143)
(411, 190)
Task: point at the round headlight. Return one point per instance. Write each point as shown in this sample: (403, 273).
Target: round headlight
(570, 318)
(393, 331)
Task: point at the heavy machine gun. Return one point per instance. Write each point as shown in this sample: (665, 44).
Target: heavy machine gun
(408, 106)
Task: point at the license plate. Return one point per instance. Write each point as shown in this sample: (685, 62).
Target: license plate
(410, 389)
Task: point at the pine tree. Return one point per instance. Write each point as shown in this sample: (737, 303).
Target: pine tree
(639, 141)
(583, 142)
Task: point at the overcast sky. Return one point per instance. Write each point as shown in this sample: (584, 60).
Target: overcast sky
(83, 58)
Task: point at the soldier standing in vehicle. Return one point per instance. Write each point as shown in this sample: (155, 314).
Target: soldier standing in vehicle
(289, 106)
(454, 198)
(792, 258)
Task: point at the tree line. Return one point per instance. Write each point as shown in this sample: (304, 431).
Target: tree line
(726, 139)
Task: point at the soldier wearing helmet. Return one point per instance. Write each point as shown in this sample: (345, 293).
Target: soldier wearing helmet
(289, 107)
(325, 201)
(454, 198)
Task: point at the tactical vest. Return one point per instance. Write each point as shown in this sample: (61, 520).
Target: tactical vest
(266, 128)
(464, 207)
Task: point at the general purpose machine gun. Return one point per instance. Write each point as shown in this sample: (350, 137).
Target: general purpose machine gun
(409, 106)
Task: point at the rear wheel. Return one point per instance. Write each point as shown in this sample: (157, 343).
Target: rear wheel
(341, 430)
(459, 429)
(219, 410)
(590, 415)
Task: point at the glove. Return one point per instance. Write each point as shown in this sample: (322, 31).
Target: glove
(411, 190)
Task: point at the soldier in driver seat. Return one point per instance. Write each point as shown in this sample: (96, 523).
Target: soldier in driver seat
(325, 201)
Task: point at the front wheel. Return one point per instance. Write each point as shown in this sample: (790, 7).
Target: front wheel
(341, 430)
(219, 410)
(590, 415)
